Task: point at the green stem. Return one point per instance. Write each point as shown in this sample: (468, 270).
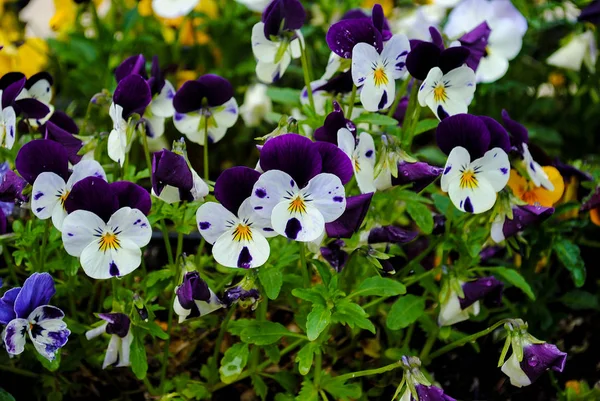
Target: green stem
(305, 70)
(399, 96)
(410, 109)
(88, 111)
(205, 150)
(428, 344)
(199, 254)
(44, 242)
(165, 233)
(468, 339)
(214, 361)
(303, 265)
(18, 371)
(409, 333)
(369, 372)
(351, 102)
(147, 152)
(318, 369)
(416, 279)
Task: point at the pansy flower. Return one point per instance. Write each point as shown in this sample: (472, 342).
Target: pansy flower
(417, 387)
(132, 96)
(335, 255)
(194, 298)
(62, 129)
(173, 179)
(350, 221)
(25, 311)
(522, 217)
(361, 152)
(107, 226)
(11, 186)
(376, 72)
(234, 228)
(593, 205)
(527, 191)
(244, 294)
(476, 41)
(334, 121)
(39, 87)
(302, 187)
(257, 105)
(45, 164)
(205, 108)
(118, 326)
(477, 166)
(448, 94)
(276, 40)
(8, 117)
(457, 307)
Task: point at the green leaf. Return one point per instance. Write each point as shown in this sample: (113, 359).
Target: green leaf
(154, 329)
(233, 363)
(340, 389)
(376, 119)
(285, 96)
(52, 366)
(385, 287)
(580, 300)
(4, 396)
(426, 125)
(305, 356)
(310, 295)
(421, 215)
(271, 280)
(405, 311)
(308, 392)
(138, 358)
(260, 387)
(272, 352)
(570, 256)
(263, 333)
(324, 271)
(317, 321)
(514, 278)
(351, 314)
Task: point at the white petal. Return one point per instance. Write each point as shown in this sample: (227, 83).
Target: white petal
(80, 229)
(459, 157)
(59, 214)
(451, 313)
(460, 90)
(296, 45)
(117, 146)
(363, 57)
(131, 224)
(259, 223)
(394, 52)
(104, 264)
(200, 188)
(168, 194)
(42, 91)
(326, 193)
(96, 263)
(270, 189)
(46, 194)
(512, 369)
(189, 124)
(364, 164)
(263, 49)
(333, 65)
(232, 251)
(384, 180)
(505, 40)
(125, 350)
(497, 229)
(180, 310)
(155, 126)
(431, 81)
(304, 227)
(83, 169)
(97, 331)
(346, 141)
(270, 71)
(173, 8)
(112, 352)
(535, 171)
(473, 200)
(162, 104)
(491, 68)
(51, 333)
(14, 336)
(213, 220)
(213, 304)
(371, 96)
(10, 126)
(226, 115)
(495, 168)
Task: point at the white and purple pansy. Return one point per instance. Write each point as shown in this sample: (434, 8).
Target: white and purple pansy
(118, 326)
(132, 96)
(350, 221)
(11, 188)
(235, 229)
(39, 87)
(276, 40)
(523, 216)
(332, 124)
(477, 166)
(361, 152)
(448, 94)
(194, 298)
(107, 226)
(8, 116)
(302, 187)
(455, 308)
(426, 392)
(477, 43)
(375, 72)
(205, 109)
(173, 179)
(25, 312)
(54, 182)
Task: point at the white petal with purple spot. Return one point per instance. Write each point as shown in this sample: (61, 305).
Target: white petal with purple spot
(271, 188)
(213, 219)
(15, 336)
(326, 193)
(162, 103)
(47, 194)
(81, 228)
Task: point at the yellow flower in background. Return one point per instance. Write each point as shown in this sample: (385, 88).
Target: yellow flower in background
(145, 8)
(28, 56)
(189, 28)
(387, 5)
(528, 192)
(64, 15)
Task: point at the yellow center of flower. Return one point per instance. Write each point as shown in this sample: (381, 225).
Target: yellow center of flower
(297, 205)
(63, 198)
(468, 180)
(380, 77)
(242, 233)
(439, 93)
(109, 241)
(356, 165)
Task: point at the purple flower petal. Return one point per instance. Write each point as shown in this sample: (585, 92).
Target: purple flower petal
(391, 234)
(191, 96)
(62, 120)
(118, 323)
(453, 57)
(192, 289)
(131, 195)
(537, 358)
(3, 222)
(400, 112)
(39, 156)
(344, 35)
(157, 79)
(498, 136)
(133, 65)
(355, 13)
(11, 85)
(333, 122)
(283, 15)
(352, 218)
(524, 216)
(422, 58)
(476, 41)
(335, 161)
(436, 37)
(420, 174)
(591, 13)
(518, 133)
(567, 171)
(593, 202)
(236, 294)
(431, 393)
(31, 108)
(464, 130)
(335, 255)
(66, 139)
(133, 94)
(37, 290)
(11, 187)
(293, 154)
(94, 195)
(169, 168)
(341, 83)
(7, 305)
(234, 186)
(484, 287)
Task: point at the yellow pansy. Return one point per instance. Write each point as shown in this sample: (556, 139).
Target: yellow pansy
(28, 58)
(528, 192)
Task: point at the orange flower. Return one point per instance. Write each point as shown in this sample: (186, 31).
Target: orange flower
(595, 216)
(528, 192)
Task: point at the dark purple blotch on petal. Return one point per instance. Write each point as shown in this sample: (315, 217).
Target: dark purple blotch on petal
(335, 255)
(344, 35)
(476, 41)
(524, 216)
(333, 123)
(391, 234)
(169, 168)
(66, 139)
(484, 287)
(234, 185)
(39, 156)
(244, 258)
(420, 174)
(94, 195)
(118, 323)
(537, 358)
(37, 290)
(133, 65)
(283, 15)
(352, 218)
(207, 91)
(335, 161)
(292, 228)
(293, 154)
(468, 205)
(464, 130)
(131, 195)
(133, 94)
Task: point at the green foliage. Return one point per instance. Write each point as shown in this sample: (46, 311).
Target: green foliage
(405, 311)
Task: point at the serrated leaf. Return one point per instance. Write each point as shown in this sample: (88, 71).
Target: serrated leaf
(271, 280)
(260, 387)
(305, 357)
(263, 333)
(421, 215)
(233, 363)
(138, 358)
(514, 278)
(405, 311)
(340, 389)
(310, 295)
(570, 256)
(382, 286)
(317, 321)
(4, 396)
(308, 392)
(426, 125)
(376, 119)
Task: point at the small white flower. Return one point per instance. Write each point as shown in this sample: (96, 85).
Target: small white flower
(535, 171)
(448, 94)
(118, 326)
(256, 105)
(362, 155)
(581, 49)
(159, 110)
(117, 139)
(8, 125)
(273, 57)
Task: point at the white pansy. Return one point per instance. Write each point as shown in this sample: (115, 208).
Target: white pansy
(212, 122)
(580, 49)
(257, 104)
(362, 155)
(273, 57)
(448, 94)
(117, 139)
(512, 369)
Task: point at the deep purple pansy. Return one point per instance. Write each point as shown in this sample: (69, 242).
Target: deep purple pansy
(344, 35)
(11, 186)
(66, 138)
(335, 255)
(352, 218)
(118, 326)
(134, 65)
(283, 16)
(194, 298)
(537, 359)
(523, 216)
(39, 156)
(173, 179)
(476, 41)
(391, 234)
(420, 174)
(333, 123)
